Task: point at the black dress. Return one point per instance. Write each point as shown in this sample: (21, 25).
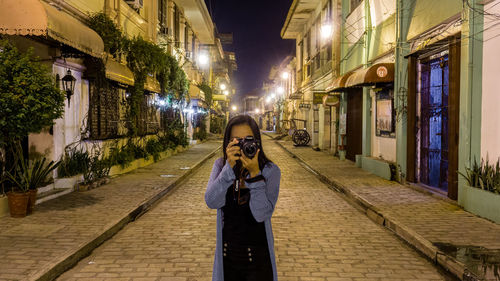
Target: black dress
(245, 250)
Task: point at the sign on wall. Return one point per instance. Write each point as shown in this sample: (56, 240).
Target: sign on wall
(385, 114)
(343, 124)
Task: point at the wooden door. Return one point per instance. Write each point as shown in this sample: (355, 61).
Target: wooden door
(354, 123)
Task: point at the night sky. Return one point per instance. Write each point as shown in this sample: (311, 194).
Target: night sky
(256, 27)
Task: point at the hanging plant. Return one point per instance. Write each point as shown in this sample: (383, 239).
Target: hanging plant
(207, 90)
(111, 35)
(143, 58)
(178, 80)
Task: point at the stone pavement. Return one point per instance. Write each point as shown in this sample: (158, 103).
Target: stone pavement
(318, 236)
(417, 217)
(63, 230)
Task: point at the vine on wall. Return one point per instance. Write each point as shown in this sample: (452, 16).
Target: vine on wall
(143, 58)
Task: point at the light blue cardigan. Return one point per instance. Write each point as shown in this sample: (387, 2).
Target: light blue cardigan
(263, 197)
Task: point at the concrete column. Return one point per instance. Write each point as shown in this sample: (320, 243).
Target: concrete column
(367, 123)
(342, 111)
(152, 18)
(403, 18)
(471, 62)
(321, 135)
(314, 135)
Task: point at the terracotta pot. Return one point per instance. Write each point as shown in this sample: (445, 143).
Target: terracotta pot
(32, 200)
(84, 187)
(18, 204)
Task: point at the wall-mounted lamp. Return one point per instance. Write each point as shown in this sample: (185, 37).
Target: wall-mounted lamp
(326, 31)
(69, 82)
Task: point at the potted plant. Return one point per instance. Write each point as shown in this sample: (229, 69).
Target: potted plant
(481, 193)
(96, 172)
(26, 180)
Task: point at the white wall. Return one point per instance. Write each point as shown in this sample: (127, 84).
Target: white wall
(355, 24)
(381, 146)
(490, 119)
(67, 129)
(380, 10)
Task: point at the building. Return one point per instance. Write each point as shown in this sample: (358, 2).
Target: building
(310, 24)
(60, 34)
(411, 84)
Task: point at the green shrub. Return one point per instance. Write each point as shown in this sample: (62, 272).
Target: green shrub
(120, 156)
(29, 97)
(155, 148)
(483, 176)
(73, 162)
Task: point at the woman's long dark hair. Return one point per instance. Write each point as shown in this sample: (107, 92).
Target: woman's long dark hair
(245, 119)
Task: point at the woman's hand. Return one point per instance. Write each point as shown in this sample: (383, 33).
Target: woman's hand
(252, 165)
(233, 152)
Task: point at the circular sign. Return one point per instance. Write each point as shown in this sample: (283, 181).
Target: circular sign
(382, 71)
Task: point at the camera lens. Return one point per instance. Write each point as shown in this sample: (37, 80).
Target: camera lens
(250, 149)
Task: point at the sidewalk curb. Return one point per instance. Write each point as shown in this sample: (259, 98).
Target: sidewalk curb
(418, 242)
(72, 257)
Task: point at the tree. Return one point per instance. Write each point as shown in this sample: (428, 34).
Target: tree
(29, 97)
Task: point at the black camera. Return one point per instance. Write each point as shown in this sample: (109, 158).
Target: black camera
(249, 145)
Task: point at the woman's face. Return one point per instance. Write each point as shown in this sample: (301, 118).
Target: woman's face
(241, 131)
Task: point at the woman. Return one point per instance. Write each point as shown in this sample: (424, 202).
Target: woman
(244, 191)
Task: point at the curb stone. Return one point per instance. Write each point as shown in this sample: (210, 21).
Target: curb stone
(418, 242)
(72, 257)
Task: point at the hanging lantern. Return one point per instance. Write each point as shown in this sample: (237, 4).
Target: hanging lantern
(69, 82)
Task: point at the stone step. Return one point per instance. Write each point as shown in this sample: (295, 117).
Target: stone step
(52, 194)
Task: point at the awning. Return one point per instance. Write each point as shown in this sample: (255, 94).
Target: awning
(219, 97)
(152, 85)
(296, 95)
(33, 17)
(377, 73)
(330, 100)
(318, 96)
(194, 91)
(338, 84)
(199, 103)
(118, 72)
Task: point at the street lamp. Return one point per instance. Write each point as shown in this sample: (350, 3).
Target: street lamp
(280, 90)
(203, 59)
(234, 108)
(257, 110)
(223, 86)
(268, 99)
(285, 75)
(326, 31)
(69, 82)
(273, 95)
(226, 92)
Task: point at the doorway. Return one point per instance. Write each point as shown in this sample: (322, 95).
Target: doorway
(434, 92)
(354, 123)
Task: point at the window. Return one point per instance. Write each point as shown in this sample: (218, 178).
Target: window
(308, 46)
(186, 38)
(318, 35)
(328, 53)
(162, 14)
(193, 48)
(301, 54)
(385, 114)
(177, 27)
(148, 123)
(355, 4)
(104, 112)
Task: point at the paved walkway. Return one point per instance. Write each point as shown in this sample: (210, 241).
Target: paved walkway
(62, 230)
(417, 217)
(318, 236)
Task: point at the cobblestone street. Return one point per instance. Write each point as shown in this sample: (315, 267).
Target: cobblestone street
(318, 236)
